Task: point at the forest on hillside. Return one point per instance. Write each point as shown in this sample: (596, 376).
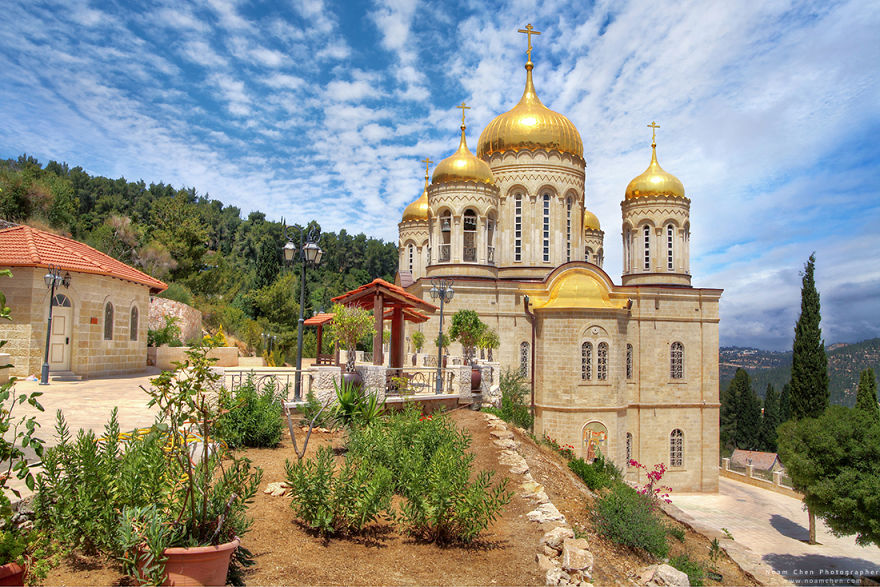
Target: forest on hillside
(227, 266)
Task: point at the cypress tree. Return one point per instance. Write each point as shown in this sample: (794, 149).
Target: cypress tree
(866, 397)
(728, 412)
(268, 263)
(770, 420)
(809, 364)
(748, 426)
(785, 404)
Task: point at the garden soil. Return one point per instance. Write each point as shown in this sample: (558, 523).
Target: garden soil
(288, 553)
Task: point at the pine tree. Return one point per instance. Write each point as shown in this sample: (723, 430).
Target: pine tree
(809, 364)
(770, 420)
(785, 404)
(866, 397)
(268, 263)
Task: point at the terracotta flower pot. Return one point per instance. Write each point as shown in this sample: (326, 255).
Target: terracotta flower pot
(199, 565)
(12, 574)
(476, 379)
(353, 378)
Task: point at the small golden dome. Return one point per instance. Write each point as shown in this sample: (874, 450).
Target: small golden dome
(418, 210)
(654, 181)
(529, 126)
(590, 221)
(463, 166)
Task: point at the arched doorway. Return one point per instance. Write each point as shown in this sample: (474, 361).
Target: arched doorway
(59, 340)
(595, 440)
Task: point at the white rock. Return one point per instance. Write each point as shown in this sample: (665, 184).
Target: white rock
(557, 577)
(277, 489)
(519, 469)
(507, 443)
(556, 537)
(501, 434)
(545, 563)
(670, 577)
(577, 557)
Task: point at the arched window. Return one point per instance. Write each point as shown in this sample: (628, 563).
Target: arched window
(587, 361)
(676, 360)
(524, 359)
(629, 361)
(602, 361)
(517, 227)
(588, 252)
(61, 301)
(411, 251)
(469, 244)
(676, 448)
(546, 228)
(445, 253)
(568, 229)
(629, 448)
(108, 321)
(670, 233)
(133, 324)
(490, 239)
(627, 246)
(647, 233)
(600, 257)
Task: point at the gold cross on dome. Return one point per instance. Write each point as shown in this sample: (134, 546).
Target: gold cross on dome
(653, 126)
(427, 161)
(529, 30)
(463, 108)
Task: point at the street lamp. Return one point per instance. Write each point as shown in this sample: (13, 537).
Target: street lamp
(52, 279)
(441, 289)
(309, 254)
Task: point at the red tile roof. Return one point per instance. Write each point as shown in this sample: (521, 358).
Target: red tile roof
(396, 293)
(319, 319)
(25, 246)
(763, 461)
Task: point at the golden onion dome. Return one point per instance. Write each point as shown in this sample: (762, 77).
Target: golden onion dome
(418, 210)
(463, 166)
(590, 221)
(654, 181)
(529, 126)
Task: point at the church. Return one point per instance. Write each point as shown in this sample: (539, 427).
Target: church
(630, 368)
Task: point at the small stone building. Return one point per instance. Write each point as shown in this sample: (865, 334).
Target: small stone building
(760, 461)
(99, 322)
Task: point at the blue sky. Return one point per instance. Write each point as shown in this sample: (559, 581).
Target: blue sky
(318, 109)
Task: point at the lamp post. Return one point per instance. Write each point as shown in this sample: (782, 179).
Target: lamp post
(309, 254)
(441, 289)
(52, 279)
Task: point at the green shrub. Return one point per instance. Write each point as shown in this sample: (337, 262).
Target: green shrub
(626, 517)
(676, 533)
(598, 474)
(695, 571)
(354, 408)
(179, 293)
(168, 334)
(311, 408)
(514, 409)
(345, 502)
(255, 418)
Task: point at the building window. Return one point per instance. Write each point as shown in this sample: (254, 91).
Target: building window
(445, 253)
(629, 361)
(108, 321)
(676, 448)
(676, 360)
(602, 361)
(587, 254)
(587, 361)
(627, 246)
(647, 233)
(670, 233)
(517, 227)
(629, 448)
(524, 359)
(411, 250)
(546, 228)
(568, 230)
(133, 324)
(469, 244)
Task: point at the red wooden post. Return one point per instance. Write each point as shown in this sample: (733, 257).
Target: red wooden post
(397, 330)
(378, 309)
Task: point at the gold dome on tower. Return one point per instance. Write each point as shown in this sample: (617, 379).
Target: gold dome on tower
(463, 165)
(530, 125)
(418, 210)
(654, 181)
(590, 221)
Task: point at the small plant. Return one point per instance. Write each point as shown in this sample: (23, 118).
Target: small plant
(676, 533)
(695, 571)
(598, 474)
(566, 450)
(313, 408)
(627, 517)
(488, 340)
(251, 417)
(442, 341)
(727, 533)
(418, 340)
(354, 408)
(168, 334)
(514, 390)
(349, 325)
(652, 488)
(466, 328)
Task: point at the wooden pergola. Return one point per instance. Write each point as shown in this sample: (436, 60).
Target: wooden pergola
(320, 320)
(387, 301)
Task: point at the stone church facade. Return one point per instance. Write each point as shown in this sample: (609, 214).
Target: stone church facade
(628, 369)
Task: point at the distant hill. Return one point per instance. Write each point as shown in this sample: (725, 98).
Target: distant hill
(845, 362)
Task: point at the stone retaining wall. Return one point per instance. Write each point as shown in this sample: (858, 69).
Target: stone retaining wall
(164, 356)
(188, 318)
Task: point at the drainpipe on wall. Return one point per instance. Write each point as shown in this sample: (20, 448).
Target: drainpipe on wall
(531, 316)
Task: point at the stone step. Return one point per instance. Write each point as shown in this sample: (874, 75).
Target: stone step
(64, 376)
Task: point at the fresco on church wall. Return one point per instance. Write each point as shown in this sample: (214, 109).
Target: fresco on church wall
(595, 440)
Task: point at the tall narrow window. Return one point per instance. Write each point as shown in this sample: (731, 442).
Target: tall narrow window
(133, 324)
(517, 227)
(469, 245)
(676, 448)
(629, 361)
(647, 247)
(587, 361)
(629, 448)
(108, 321)
(670, 233)
(602, 361)
(412, 253)
(490, 240)
(445, 253)
(524, 359)
(588, 253)
(568, 230)
(627, 245)
(546, 228)
(676, 360)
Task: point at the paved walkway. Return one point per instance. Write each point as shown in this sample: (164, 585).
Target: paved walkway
(776, 528)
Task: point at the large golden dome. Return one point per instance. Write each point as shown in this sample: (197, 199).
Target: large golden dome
(654, 181)
(463, 166)
(590, 221)
(529, 126)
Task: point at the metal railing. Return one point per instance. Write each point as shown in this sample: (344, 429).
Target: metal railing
(445, 253)
(417, 381)
(470, 255)
(283, 379)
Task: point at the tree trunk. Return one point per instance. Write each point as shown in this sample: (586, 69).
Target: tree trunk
(812, 526)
